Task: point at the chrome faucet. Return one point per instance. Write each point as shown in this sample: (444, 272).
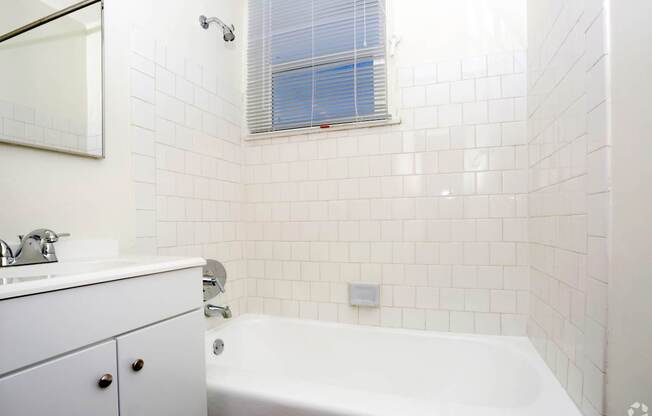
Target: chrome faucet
(36, 247)
(212, 310)
(6, 255)
(214, 282)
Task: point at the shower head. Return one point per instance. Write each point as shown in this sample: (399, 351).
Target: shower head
(228, 31)
(229, 36)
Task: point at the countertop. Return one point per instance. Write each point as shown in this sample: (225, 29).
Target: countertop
(33, 279)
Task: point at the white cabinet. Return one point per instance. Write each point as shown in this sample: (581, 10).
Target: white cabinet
(64, 386)
(162, 369)
(56, 347)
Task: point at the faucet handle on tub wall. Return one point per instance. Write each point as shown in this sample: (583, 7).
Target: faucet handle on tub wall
(214, 279)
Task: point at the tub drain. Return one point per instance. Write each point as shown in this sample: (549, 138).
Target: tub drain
(218, 347)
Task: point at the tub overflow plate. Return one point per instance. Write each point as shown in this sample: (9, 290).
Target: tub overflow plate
(218, 347)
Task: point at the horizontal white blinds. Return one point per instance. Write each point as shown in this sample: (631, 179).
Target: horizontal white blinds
(315, 62)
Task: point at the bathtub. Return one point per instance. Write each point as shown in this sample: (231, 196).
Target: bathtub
(284, 367)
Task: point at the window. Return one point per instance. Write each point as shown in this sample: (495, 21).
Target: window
(315, 62)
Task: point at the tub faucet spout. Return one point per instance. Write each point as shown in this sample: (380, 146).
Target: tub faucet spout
(212, 310)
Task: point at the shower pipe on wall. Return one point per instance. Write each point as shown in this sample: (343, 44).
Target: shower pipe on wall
(205, 22)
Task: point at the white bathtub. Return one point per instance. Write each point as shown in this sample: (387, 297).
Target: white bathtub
(286, 367)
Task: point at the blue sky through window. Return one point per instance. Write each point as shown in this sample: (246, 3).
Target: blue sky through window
(302, 30)
(334, 94)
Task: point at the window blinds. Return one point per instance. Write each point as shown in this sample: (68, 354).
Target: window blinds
(315, 62)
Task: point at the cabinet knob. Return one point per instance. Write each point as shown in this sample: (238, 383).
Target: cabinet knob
(105, 381)
(137, 365)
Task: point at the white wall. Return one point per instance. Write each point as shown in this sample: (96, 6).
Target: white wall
(97, 199)
(443, 30)
(89, 198)
(630, 333)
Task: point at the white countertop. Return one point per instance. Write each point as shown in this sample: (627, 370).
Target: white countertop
(33, 279)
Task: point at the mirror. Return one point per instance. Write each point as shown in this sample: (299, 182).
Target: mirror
(51, 83)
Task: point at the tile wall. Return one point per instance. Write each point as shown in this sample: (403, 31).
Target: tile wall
(569, 192)
(187, 159)
(434, 209)
(474, 214)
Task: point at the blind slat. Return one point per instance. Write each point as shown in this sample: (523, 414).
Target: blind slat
(315, 62)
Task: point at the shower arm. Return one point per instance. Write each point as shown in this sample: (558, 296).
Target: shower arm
(206, 21)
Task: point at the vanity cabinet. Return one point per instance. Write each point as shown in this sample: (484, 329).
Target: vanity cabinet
(133, 347)
(171, 380)
(64, 386)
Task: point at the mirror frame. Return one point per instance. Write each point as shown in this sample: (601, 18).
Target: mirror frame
(42, 22)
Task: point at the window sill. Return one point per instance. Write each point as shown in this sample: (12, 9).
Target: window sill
(317, 130)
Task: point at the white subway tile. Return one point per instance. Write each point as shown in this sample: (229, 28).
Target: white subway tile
(463, 91)
(514, 133)
(462, 137)
(437, 320)
(476, 113)
(414, 318)
(487, 323)
(449, 115)
(476, 160)
(488, 88)
(462, 322)
(503, 301)
(501, 110)
(489, 183)
(391, 317)
(451, 161)
(142, 114)
(425, 117)
(488, 135)
(142, 86)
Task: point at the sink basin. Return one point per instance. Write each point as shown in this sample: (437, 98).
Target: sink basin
(50, 270)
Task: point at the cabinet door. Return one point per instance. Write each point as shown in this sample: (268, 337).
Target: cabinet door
(172, 379)
(66, 386)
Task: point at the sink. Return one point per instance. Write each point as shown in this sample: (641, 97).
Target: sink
(31, 279)
(51, 270)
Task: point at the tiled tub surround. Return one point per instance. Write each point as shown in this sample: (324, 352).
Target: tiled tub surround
(434, 209)
(569, 195)
(185, 125)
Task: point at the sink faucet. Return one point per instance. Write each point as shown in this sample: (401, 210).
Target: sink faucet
(36, 247)
(6, 255)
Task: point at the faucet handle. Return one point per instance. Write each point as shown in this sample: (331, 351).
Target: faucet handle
(50, 236)
(45, 235)
(6, 255)
(54, 237)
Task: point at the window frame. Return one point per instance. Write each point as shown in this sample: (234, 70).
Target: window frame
(391, 88)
